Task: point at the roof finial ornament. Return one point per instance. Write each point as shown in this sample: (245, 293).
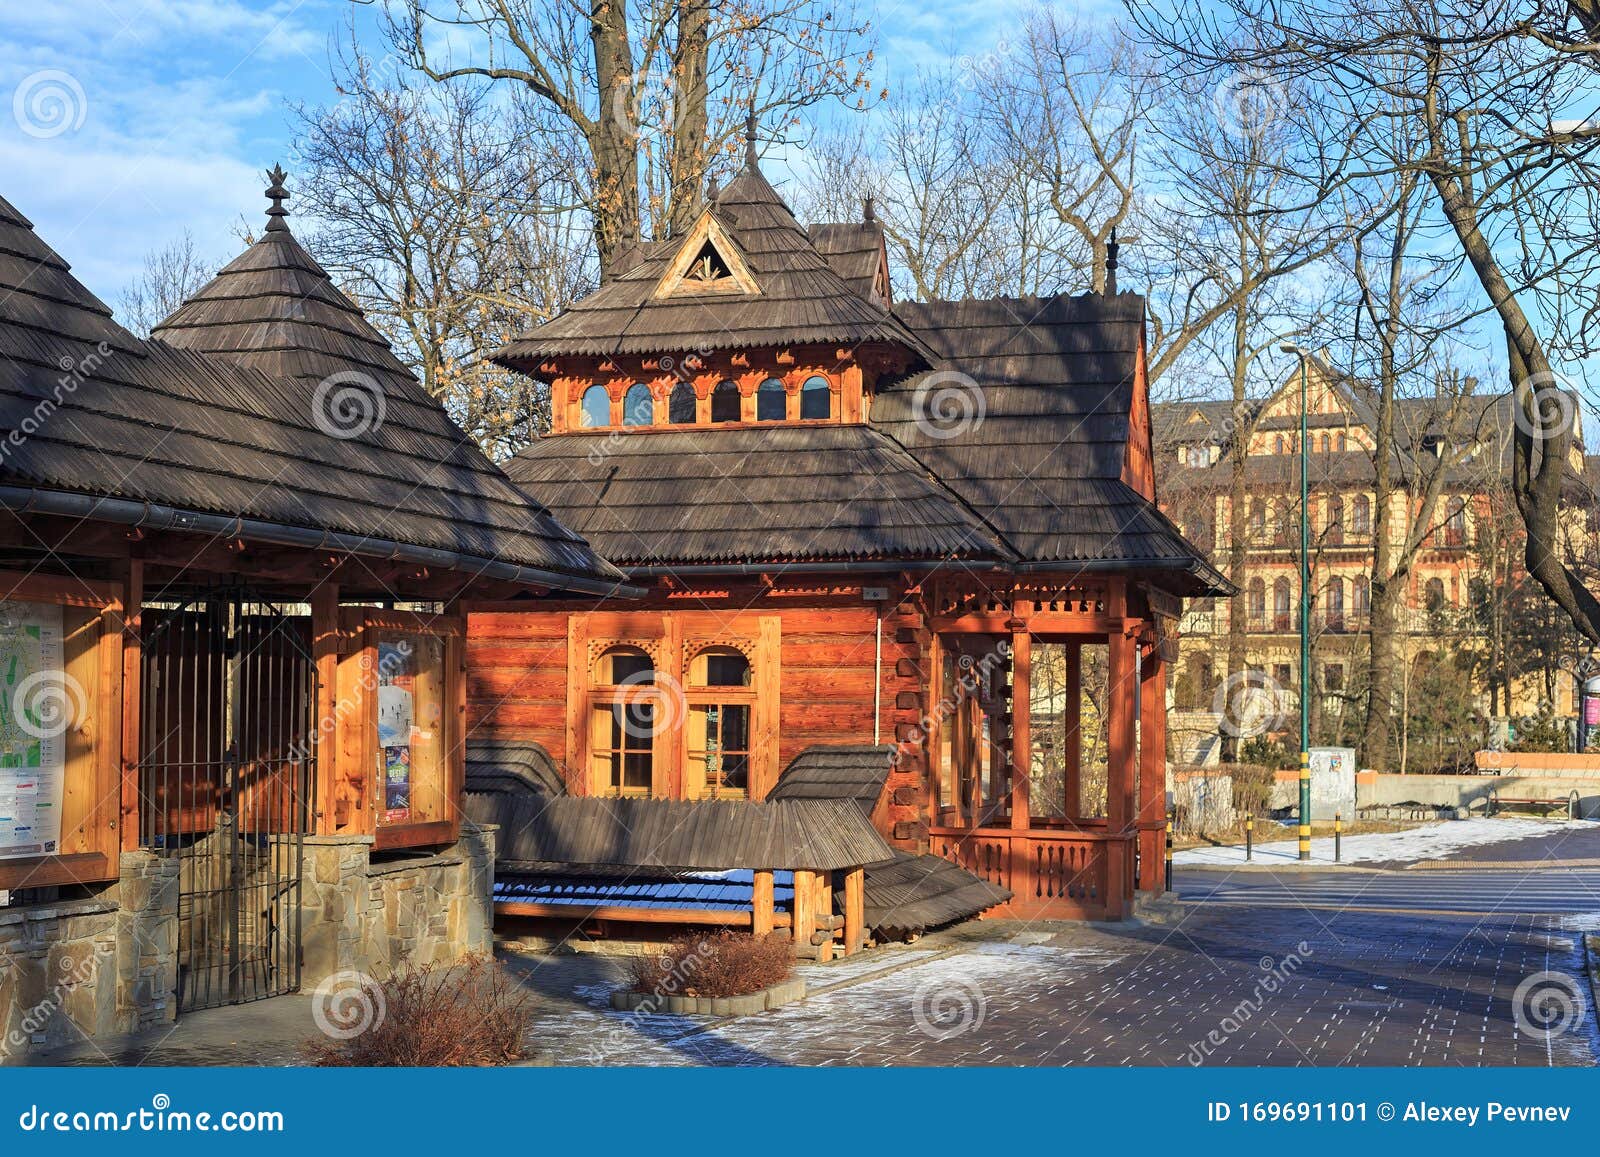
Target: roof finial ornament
(1112, 247)
(750, 138)
(277, 194)
(869, 209)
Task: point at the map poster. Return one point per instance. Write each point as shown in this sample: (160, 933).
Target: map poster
(32, 743)
(396, 784)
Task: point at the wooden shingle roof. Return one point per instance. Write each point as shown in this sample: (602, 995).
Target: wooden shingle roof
(837, 771)
(801, 299)
(779, 493)
(854, 249)
(217, 433)
(1047, 387)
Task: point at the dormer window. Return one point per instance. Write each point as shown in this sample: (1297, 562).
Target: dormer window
(816, 400)
(771, 401)
(596, 407)
(638, 408)
(725, 402)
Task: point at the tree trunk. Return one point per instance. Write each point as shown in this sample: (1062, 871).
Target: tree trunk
(1238, 528)
(613, 138)
(688, 163)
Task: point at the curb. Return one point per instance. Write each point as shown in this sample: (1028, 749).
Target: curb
(722, 1007)
(1289, 866)
(1462, 865)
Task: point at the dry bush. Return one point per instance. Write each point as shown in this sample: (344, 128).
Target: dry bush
(716, 965)
(474, 1012)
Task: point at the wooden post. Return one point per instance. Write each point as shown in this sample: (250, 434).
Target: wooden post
(804, 923)
(1072, 726)
(1120, 734)
(825, 909)
(1152, 770)
(132, 700)
(325, 654)
(761, 904)
(1021, 725)
(855, 910)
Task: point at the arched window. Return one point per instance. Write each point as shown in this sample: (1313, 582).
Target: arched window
(1256, 602)
(721, 698)
(1335, 520)
(1362, 599)
(1257, 524)
(1282, 616)
(1335, 603)
(1326, 444)
(725, 402)
(1361, 523)
(638, 408)
(771, 399)
(816, 400)
(1341, 444)
(596, 407)
(622, 722)
(1433, 594)
(681, 405)
(1278, 444)
(1455, 523)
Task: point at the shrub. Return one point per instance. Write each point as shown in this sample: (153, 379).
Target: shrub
(475, 1012)
(716, 965)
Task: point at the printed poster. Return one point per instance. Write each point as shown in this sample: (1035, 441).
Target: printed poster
(32, 735)
(396, 784)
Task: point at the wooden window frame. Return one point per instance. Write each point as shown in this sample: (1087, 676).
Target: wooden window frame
(702, 696)
(604, 696)
(94, 792)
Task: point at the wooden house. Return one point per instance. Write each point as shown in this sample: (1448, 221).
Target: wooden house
(232, 692)
(906, 555)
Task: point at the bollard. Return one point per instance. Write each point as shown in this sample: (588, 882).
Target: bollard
(1169, 852)
(1338, 831)
(1249, 837)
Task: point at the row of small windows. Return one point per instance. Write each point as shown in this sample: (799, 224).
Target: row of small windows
(772, 400)
(1326, 444)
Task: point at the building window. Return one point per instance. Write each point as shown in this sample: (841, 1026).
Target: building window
(1335, 520)
(1325, 445)
(721, 698)
(1433, 594)
(1455, 523)
(725, 402)
(1257, 524)
(638, 409)
(622, 723)
(1335, 603)
(1283, 675)
(681, 405)
(1363, 596)
(1333, 677)
(1282, 619)
(1361, 523)
(816, 400)
(1278, 445)
(771, 401)
(1341, 443)
(596, 407)
(1256, 602)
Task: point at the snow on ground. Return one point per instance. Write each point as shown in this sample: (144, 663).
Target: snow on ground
(1427, 842)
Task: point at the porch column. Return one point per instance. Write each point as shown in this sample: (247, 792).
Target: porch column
(325, 654)
(1021, 726)
(1121, 756)
(1072, 777)
(761, 903)
(1152, 771)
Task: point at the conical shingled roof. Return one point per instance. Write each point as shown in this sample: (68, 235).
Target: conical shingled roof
(107, 414)
(801, 299)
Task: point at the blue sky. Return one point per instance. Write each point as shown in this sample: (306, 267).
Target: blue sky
(169, 110)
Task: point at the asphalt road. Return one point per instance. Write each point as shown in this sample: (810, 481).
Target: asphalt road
(1490, 890)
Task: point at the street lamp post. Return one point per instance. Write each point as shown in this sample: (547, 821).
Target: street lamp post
(1305, 614)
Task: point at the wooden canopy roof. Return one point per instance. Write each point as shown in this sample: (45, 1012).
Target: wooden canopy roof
(172, 437)
(799, 298)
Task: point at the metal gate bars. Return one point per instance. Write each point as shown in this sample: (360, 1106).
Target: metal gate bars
(225, 781)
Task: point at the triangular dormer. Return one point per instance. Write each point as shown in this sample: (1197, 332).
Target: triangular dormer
(708, 262)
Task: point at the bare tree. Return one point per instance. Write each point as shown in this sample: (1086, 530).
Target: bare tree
(651, 92)
(1462, 95)
(171, 275)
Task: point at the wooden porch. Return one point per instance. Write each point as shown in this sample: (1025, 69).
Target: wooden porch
(1010, 779)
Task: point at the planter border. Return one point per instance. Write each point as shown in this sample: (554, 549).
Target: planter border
(762, 1000)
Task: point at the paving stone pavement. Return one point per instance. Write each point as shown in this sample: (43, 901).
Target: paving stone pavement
(1224, 985)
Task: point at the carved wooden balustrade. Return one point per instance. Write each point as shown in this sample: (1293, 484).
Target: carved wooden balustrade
(1052, 874)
